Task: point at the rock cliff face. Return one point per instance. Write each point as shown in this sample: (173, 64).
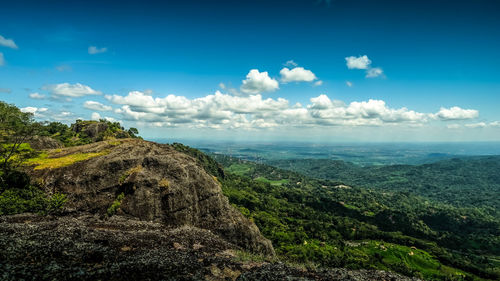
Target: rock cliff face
(159, 185)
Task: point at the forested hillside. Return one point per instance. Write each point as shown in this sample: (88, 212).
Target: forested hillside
(468, 181)
(329, 223)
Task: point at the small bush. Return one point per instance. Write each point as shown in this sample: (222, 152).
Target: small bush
(56, 202)
(116, 204)
(30, 199)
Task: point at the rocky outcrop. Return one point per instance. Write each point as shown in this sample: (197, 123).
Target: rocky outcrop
(39, 142)
(159, 184)
(90, 128)
(86, 247)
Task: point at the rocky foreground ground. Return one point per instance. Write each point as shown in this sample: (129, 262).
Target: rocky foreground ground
(87, 247)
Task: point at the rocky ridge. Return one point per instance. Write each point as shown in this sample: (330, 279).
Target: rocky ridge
(158, 183)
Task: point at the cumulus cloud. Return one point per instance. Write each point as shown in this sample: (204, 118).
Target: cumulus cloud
(29, 109)
(495, 124)
(36, 96)
(50, 115)
(2, 60)
(455, 113)
(297, 74)
(224, 111)
(257, 82)
(349, 84)
(374, 72)
(70, 90)
(94, 105)
(7, 42)
(36, 111)
(94, 50)
(318, 83)
(5, 90)
(361, 62)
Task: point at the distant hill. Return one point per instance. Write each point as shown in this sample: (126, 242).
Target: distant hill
(465, 181)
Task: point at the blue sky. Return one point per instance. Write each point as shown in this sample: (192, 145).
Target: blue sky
(360, 70)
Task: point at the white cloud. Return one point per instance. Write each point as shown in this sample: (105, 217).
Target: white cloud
(37, 96)
(95, 116)
(455, 113)
(222, 86)
(37, 112)
(258, 82)
(290, 63)
(94, 105)
(5, 90)
(2, 60)
(361, 62)
(494, 124)
(7, 42)
(297, 74)
(476, 125)
(224, 111)
(349, 84)
(70, 90)
(318, 83)
(29, 109)
(374, 72)
(94, 50)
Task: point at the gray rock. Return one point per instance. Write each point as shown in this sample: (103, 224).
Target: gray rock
(160, 184)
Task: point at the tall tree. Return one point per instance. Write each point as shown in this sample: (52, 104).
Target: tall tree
(16, 129)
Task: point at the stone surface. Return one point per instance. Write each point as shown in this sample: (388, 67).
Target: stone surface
(160, 185)
(38, 142)
(87, 247)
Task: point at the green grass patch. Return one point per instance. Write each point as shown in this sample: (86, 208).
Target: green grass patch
(43, 161)
(240, 169)
(411, 261)
(272, 182)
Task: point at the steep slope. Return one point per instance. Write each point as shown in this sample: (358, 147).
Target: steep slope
(158, 184)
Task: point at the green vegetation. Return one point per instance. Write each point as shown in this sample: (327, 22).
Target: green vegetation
(43, 161)
(17, 130)
(116, 204)
(469, 181)
(85, 132)
(316, 221)
(272, 182)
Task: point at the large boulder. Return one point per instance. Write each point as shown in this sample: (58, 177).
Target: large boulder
(43, 142)
(159, 184)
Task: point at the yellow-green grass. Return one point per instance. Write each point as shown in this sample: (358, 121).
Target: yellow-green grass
(44, 162)
(272, 182)
(391, 255)
(240, 169)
